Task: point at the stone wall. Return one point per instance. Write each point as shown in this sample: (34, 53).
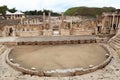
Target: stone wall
(80, 32)
(65, 32)
(47, 32)
(28, 33)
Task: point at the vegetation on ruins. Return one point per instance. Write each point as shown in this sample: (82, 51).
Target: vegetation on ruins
(88, 11)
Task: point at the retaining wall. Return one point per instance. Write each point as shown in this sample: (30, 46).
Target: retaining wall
(60, 72)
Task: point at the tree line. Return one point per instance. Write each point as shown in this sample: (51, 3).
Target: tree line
(40, 12)
(4, 8)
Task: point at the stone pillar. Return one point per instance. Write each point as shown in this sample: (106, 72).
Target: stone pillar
(59, 28)
(14, 16)
(71, 27)
(25, 29)
(21, 21)
(62, 24)
(117, 21)
(27, 22)
(112, 30)
(44, 20)
(113, 21)
(62, 19)
(34, 22)
(11, 17)
(118, 30)
(96, 31)
(37, 21)
(14, 33)
(110, 21)
(103, 24)
(49, 20)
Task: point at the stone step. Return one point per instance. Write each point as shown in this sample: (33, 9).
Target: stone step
(115, 45)
(116, 41)
(116, 38)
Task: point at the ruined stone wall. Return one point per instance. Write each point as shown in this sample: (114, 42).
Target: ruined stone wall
(47, 32)
(28, 33)
(65, 32)
(84, 32)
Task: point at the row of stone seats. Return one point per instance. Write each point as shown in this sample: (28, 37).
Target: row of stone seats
(2, 48)
(115, 42)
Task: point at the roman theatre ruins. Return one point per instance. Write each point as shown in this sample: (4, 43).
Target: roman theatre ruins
(59, 46)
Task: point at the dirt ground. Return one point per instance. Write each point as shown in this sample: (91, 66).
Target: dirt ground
(48, 57)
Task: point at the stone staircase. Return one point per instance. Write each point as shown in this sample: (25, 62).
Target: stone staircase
(2, 48)
(115, 42)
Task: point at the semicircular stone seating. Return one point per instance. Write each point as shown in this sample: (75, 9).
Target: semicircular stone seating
(115, 43)
(2, 48)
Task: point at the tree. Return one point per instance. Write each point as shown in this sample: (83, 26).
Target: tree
(12, 10)
(3, 10)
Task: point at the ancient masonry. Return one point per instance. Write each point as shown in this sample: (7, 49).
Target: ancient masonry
(49, 30)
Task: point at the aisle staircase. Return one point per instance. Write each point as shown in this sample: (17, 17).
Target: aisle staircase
(115, 43)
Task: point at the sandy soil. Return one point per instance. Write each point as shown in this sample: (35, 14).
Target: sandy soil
(49, 57)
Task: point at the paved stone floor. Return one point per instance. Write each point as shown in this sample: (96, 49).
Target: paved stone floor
(110, 72)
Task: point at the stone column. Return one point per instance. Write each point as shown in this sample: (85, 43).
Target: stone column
(49, 20)
(71, 29)
(62, 19)
(27, 22)
(44, 20)
(14, 17)
(36, 21)
(14, 33)
(118, 30)
(21, 21)
(110, 21)
(103, 24)
(59, 28)
(117, 21)
(11, 17)
(113, 20)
